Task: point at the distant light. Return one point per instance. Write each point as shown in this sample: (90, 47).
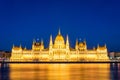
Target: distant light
(37, 39)
(80, 39)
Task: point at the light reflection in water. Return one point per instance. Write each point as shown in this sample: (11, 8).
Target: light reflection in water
(115, 71)
(59, 71)
(4, 72)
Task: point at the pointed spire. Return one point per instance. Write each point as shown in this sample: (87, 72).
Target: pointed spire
(50, 43)
(105, 45)
(50, 40)
(59, 33)
(85, 41)
(41, 41)
(67, 40)
(34, 41)
(76, 45)
(76, 41)
(98, 46)
(25, 48)
(13, 45)
(93, 48)
(20, 46)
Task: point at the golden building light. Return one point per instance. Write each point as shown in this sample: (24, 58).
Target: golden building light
(59, 50)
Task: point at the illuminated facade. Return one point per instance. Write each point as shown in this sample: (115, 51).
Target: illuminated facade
(60, 50)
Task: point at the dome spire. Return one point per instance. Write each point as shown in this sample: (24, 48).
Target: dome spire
(59, 33)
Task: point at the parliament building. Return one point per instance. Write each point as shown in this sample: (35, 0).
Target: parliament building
(59, 50)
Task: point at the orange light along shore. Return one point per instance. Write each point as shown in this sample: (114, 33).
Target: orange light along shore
(59, 51)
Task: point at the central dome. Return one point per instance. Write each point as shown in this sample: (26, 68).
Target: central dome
(59, 40)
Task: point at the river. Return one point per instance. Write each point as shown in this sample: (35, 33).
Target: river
(62, 71)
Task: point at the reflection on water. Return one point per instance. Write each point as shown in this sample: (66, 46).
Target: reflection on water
(4, 72)
(59, 71)
(115, 71)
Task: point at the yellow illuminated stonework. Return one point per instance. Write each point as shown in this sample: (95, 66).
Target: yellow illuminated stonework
(59, 50)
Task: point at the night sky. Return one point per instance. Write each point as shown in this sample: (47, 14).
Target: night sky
(96, 21)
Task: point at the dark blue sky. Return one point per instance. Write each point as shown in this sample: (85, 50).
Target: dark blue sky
(97, 21)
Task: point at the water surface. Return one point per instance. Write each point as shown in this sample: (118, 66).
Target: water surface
(82, 71)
